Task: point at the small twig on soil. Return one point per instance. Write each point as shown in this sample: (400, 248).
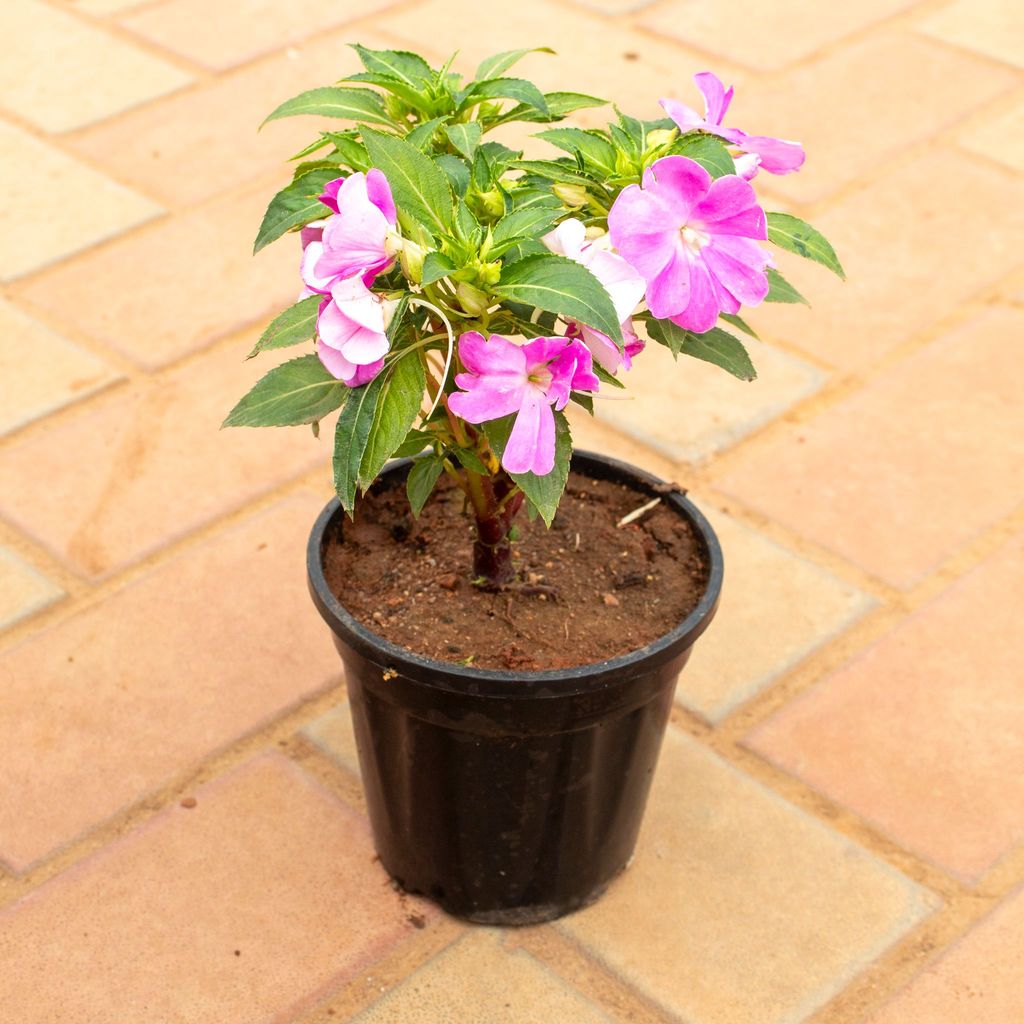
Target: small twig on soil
(632, 517)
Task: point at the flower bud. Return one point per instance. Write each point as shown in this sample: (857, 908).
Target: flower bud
(472, 300)
(572, 195)
(489, 205)
(490, 273)
(660, 137)
(412, 257)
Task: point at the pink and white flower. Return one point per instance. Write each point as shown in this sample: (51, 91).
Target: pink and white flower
(777, 156)
(358, 239)
(693, 240)
(352, 331)
(529, 380)
(625, 287)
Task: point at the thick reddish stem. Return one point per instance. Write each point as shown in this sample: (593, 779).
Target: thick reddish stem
(495, 511)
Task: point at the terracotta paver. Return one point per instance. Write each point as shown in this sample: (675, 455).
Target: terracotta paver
(776, 609)
(31, 174)
(854, 111)
(976, 982)
(83, 725)
(1000, 137)
(23, 590)
(764, 36)
(96, 73)
(40, 371)
(920, 468)
(480, 979)
(332, 732)
(991, 27)
(740, 909)
(117, 480)
(901, 282)
(174, 288)
(103, 7)
(245, 907)
(223, 35)
(690, 410)
(923, 734)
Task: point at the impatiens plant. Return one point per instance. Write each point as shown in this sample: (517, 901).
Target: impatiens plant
(459, 296)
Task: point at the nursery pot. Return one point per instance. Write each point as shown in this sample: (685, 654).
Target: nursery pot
(509, 797)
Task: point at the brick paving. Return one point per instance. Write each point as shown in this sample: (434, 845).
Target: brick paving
(837, 830)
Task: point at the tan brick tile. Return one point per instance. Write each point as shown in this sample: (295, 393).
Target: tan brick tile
(740, 909)
(999, 137)
(615, 6)
(978, 980)
(480, 979)
(22, 589)
(249, 907)
(765, 36)
(31, 174)
(117, 700)
(924, 733)
(332, 732)
(911, 252)
(149, 465)
(201, 143)
(175, 288)
(689, 409)
(616, 63)
(102, 7)
(595, 434)
(992, 27)
(776, 608)
(223, 35)
(860, 106)
(40, 371)
(95, 74)
(900, 475)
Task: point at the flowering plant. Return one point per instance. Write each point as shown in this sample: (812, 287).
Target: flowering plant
(460, 296)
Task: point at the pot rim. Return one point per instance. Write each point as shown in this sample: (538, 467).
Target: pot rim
(504, 683)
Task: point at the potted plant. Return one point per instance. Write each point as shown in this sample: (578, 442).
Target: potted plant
(510, 672)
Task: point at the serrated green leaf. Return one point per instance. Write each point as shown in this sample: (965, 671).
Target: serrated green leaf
(299, 391)
(350, 440)
(714, 346)
(562, 170)
(560, 104)
(407, 93)
(292, 327)
(398, 404)
(414, 443)
(422, 480)
(707, 151)
(563, 286)
(591, 146)
(517, 89)
(464, 137)
(335, 101)
(407, 67)
(780, 290)
(419, 186)
(295, 205)
(543, 492)
(422, 136)
(494, 66)
(470, 460)
(605, 377)
(795, 235)
(435, 266)
(456, 171)
(739, 323)
(528, 222)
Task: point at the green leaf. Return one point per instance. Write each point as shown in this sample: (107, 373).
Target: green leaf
(507, 88)
(543, 492)
(407, 67)
(780, 290)
(562, 170)
(422, 136)
(295, 205)
(560, 104)
(714, 346)
(422, 479)
(335, 101)
(464, 137)
(605, 377)
(292, 327)
(739, 323)
(456, 171)
(529, 222)
(410, 95)
(706, 150)
(560, 285)
(501, 62)
(435, 266)
(471, 461)
(794, 235)
(419, 186)
(414, 443)
(591, 146)
(398, 404)
(351, 437)
(299, 391)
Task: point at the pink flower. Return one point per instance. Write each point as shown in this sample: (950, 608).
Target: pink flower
(625, 287)
(329, 196)
(352, 329)
(528, 380)
(355, 239)
(692, 240)
(777, 156)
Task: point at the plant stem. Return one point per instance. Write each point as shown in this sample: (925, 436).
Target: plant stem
(496, 500)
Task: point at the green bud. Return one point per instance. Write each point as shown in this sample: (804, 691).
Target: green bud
(660, 137)
(571, 195)
(472, 300)
(488, 205)
(490, 273)
(412, 257)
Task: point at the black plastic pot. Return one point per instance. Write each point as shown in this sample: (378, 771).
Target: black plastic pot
(508, 797)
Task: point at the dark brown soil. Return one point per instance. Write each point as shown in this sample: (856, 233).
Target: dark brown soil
(587, 590)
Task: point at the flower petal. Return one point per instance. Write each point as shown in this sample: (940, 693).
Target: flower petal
(702, 310)
(716, 97)
(567, 239)
(310, 278)
(730, 208)
(778, 156)
(669, 292)
(625, 287)
(686, 117)
(378, 191)
(679, 182)
(739, 263)
(531, 445)
(492, 356)
(359, 303)
(335, 363)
